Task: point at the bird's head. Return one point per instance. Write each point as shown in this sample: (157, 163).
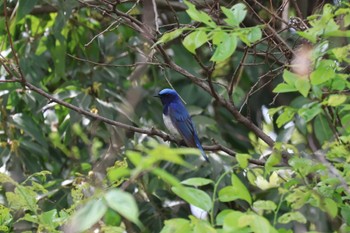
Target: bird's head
(168, 95)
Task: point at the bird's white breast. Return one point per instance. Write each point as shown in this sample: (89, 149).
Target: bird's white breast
(170, 126)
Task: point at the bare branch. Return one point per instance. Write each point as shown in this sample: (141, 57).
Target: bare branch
(237, 74)
(11, 43)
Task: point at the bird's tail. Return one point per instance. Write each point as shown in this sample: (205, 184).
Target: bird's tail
(199, 146)
(204, 154)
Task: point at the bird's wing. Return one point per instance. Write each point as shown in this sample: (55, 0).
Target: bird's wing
(183, 123)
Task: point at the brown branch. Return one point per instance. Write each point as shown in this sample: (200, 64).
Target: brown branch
(247, 122)
(218, 147)
(112, 65)
(151, 132)
(277, 39)
(227, 104)
(37, 10)
(137, 25)
(297, 9)
(253, 90)
(11, 81)
(237, 74)
(11, 43)
(274, 15)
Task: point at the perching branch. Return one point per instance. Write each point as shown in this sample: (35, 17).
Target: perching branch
(227, 104)
(150, 132)
(204, 84)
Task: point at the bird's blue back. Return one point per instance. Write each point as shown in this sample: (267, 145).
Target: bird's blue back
(175, 110)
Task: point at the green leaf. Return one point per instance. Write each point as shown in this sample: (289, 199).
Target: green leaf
(293, 83)
(345, 121)
(257, 223)
(58, 53)
(222, 215)
(195, 40)
(273, 159)
(243, 189)
(218, 36)
(167, 177)
(254, 34)
(88, 215)
(28, 125)
(290, 77)
(335, 100)
(292, 216)
(242, 159)
(24, 7)
(303, 86)
(194, 197)
(117, 174)
(22, 198)
(112, 218)
(264, 205)
(235, 15)
(30, 218)
(286, 116)
(230, 223)
(197, 181)
(331, 207)
(345, 213)
(199, 16)
(309, 34)
(310, 111)
(6, 218)
(164, 153)
(284, 87)
(123, 203)
(339, 83)
(200, 226)
(346, 20)
(49, 218)
(274, 181)
(323, 73)
(176, 225)
(332, 30)
(135, 157)
(226, 47)
(342, 53)
(168, 36)
(273, 111)
(323, 132)
(234, 192)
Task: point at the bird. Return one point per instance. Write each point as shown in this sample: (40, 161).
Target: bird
(178, 121)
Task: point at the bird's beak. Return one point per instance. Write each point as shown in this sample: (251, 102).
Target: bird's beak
(156, 96)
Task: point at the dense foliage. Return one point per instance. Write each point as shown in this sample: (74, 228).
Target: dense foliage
(82, 140)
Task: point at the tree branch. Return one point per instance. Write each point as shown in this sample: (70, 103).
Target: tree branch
(227, 104)
(137, 25)
(150, 132)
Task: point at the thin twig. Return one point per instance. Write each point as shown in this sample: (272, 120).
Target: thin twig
(112, 65)
(154, 4)
(102, 32)
(11, 43)
(226, 103)
(11, 81)
(237, 74)
(252, 90)
(150, 132)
